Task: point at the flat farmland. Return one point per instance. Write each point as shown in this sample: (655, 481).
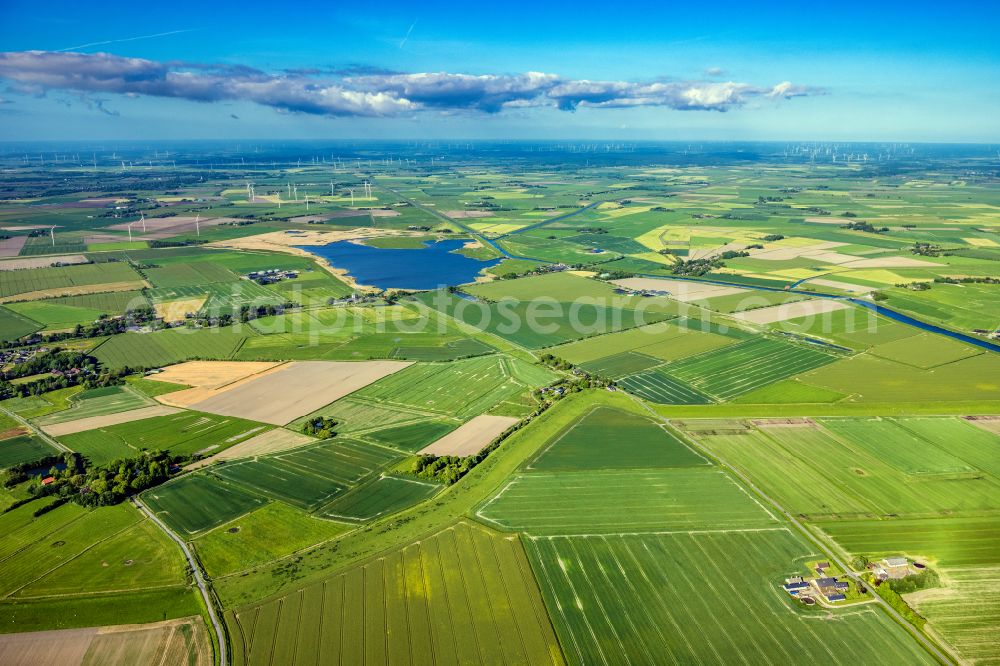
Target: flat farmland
(308, 476)
(705, 598)
(746, 366)
(617, 502)
(811, 471)
(411, 437)
(181, 641)
(608, 438)
(888, 441)
(619, 365)
(947, 542)
(544, 321)
(14, 325)
(75, 551)
(147, 350)
(659, 387)
(23, 448)
(465, 594)
(294, 389)
(460, 389)
(265, 534)
(471, 437)
(966, 613)
(182, 433)
(379, 497)
(199, 502)
(666, 340)
(56, 281)
(98, 402)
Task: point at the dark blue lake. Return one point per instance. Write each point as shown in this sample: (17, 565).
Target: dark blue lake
(430, 267)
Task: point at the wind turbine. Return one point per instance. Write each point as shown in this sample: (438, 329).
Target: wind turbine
(278, 197)
(289, 190)
(143, 218)
(352, 196)
(52, 232)
(307, 203)
(129, 232)
(197, 227)
(295, 189)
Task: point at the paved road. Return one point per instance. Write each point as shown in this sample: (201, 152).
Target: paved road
(931, 647)
(198, 578)
(37, 431)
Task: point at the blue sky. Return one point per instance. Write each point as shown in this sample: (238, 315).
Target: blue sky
(665, 70)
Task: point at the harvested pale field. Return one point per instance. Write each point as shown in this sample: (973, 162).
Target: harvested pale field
(774, 313)
(182, 642)
(169, 643)
(272, 441)
(890, 262)
(92, 422)
(463, 214)
(27, 227)
(383, 212)
(206, 378)
(795, 422)
(829, 220)
(41, 262)
(211, 374)
(987, 423)
(470, 438)
(294, 389)
(787, 253)
(164, 227)
(679, 289)
(844, 286)
(11, 247)
(13, 432)
(40, 648)
(176, 310)
(77, 290)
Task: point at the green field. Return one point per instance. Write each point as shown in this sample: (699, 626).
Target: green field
(379, 497)
(185, 433)
(659, 387)
(23, 448)
(98, 402)
(461, 389)
(465, 594)
(946, 542)
(413, 436)
(623, 502)
(700, 598)
(741, 368)
(14, 325)
(198, 502)
(814, 472)
(65, 278)
(606, 438)
(74, 551)
(545, 321)
(265, 534)
(138, 350)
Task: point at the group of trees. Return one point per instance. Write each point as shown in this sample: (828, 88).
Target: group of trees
(696, 267)
(320, 426)
(61, 369)
(861, 225)
(74, 480)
